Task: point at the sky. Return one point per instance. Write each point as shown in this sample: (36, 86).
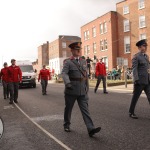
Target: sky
(27, 24)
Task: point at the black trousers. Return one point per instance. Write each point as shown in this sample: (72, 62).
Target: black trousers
(13, 88)
(136, 94)
(103, 78)
(5, 89)
(83, 105)
(44, 84)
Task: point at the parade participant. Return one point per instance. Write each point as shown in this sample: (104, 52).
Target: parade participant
(88, 61)
(4, 79)
(14, 77)
(141, 75)
(44, 76)
(101, 75)
(75, 77)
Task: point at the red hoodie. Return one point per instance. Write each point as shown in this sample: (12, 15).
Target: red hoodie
(4, 74)
(44, 74)
(14, 74)
(100, 69)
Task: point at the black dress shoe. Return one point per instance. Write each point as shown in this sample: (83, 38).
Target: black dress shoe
(95, 90)
(105, 92)
(4, 97)
(15, 101)
(132, 115)
(67, 129)
(10, 102)
(93, 131)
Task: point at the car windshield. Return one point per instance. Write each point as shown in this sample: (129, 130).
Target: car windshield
(27, 68)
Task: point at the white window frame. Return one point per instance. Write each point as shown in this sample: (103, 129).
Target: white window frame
(94, 31)
(102, 45)
(101, 28)
(105, 27)
(144, 21)
(126, 9)
(125, 44)
(88, 34)
(141, 4)
(105, 45)
(94, 48)
(85, 35)
(126, 24)
(105, 60)
(64, 45)
(142, 36)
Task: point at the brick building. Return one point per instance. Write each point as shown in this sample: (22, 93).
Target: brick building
(133, 25)
(99, 38)
(43, 55)
(58, 51)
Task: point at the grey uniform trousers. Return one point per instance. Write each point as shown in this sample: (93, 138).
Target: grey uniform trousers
(13, 88)
(83, 105)
(136, 94)
(5, 89)
(44, 84)
(103, 78)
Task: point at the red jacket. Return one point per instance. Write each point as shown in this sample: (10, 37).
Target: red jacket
(4, 74)
(44, 74)
(100, 69)
(14, 74)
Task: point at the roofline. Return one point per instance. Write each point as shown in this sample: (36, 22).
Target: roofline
(121, 2)
(99, 17)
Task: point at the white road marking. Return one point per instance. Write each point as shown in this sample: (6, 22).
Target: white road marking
(46, 132)
(1, 128)
(48, 118)
(8, 107)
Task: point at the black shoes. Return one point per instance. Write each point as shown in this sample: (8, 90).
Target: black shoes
(4, 97)
(93, 131)
(105, 92)
(16, 101)
(133, 116)
(67, 129)
(95, 90)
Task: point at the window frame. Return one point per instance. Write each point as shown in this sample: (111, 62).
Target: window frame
(125, 45)
(142, 21)
(125, 11)
(124, 25)
(141, 6)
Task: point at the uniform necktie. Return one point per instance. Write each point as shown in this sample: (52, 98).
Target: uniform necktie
(77, 60)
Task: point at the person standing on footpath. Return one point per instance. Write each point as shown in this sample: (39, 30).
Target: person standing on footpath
(14, 78)
(141, 76)
(75, 78)
(88, 61)
(4, 79)
(101, 75)
(44, 76)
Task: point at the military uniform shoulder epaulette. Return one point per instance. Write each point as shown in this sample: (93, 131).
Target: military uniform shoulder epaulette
(66, 60)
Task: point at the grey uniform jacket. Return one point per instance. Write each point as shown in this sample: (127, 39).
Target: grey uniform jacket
(70, 71)
(141, 66)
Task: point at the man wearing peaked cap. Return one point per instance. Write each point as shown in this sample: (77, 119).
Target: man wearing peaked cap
(75, 78)
(141, 75)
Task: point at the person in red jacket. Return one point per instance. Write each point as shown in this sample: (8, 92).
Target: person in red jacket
(101, 75)
(44, 76)
(4, 79)
(14, 77)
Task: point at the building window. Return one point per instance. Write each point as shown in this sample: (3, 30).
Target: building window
(86, 35)
(127, 44)
(141, 4)
(94, 32)
(125, 10)
(101, 29)
(94, 47)
(63, 44)
(105, 44)
(105, 27)
(142, 36)
(86, 50)
(142, 22)
(126, 25)
(105, 60)
(102, 45)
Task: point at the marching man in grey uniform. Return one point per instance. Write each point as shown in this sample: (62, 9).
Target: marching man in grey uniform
(141, 75)
(75, 77)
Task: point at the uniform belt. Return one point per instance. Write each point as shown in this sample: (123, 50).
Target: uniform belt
(78, 79)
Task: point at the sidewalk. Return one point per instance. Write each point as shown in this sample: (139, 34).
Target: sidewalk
(122, 87)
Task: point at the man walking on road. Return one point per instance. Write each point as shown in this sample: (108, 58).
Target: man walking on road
(14, 77)
(4, 79)
(101, 75)
(44, 76)
(141, 75)
(75, 77)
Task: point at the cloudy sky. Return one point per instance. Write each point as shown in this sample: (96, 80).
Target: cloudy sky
(26, 24)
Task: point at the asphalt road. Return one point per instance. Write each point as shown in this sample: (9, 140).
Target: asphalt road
(119, 132)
